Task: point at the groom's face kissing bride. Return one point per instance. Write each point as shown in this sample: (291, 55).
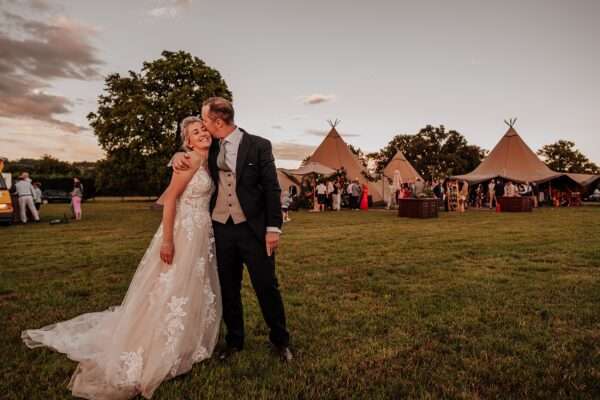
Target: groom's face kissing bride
(218, 119)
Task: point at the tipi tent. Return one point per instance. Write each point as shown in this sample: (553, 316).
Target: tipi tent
(334, 153)
(285, 181)
(513, 160)
(400, 163)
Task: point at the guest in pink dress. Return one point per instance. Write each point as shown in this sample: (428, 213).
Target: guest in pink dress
(76, 196)
(364, 202)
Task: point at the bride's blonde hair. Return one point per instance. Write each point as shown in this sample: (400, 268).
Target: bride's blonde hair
(187, 121)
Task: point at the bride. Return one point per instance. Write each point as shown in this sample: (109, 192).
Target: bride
(170, 316)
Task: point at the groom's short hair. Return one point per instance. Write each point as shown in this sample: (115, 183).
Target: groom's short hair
(218, 107)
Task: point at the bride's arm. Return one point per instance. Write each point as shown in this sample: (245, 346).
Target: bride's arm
(176, 187)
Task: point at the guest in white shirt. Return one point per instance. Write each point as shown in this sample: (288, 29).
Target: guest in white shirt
(322, 195)
(24, 190)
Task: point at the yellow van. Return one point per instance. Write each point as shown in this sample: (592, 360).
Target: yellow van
(6, 206)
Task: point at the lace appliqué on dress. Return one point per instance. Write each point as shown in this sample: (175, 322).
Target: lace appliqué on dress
(211, 312)
(174, 321)
(131, 368)
(163, 286)
(200, 354)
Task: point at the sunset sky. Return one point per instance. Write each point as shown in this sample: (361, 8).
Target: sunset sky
(381, 67)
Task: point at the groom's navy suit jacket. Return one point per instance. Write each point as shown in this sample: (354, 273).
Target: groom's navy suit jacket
(257, 187)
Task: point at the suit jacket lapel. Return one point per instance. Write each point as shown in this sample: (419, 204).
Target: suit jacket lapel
(242, 154)
(212, 160)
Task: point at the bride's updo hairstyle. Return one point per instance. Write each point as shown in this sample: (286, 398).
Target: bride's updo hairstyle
(187, 121)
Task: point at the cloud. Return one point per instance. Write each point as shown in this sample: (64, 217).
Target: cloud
(32, 139)
(317, 98)
(323, 133)
(36, 52)
(41, 5)
(169, 8)
(292, 151)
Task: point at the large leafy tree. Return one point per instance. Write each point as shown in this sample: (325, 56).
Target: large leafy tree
(562, 156)
(433, 151)
(137, 121)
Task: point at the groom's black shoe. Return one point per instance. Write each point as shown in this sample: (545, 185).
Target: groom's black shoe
(227, 352)
(284, 353)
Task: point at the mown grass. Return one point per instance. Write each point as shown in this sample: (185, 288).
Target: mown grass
(480, 305)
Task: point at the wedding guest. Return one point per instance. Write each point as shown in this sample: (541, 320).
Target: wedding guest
(392, 195)
(77, 180)
(330, 190)
(510, 190)
(285, 205)
(445, 195)
(491, 193)
(462, 196)
(37, 195)
(337, 196)
(364, 202)
(405, 191)
(356, 195)
(24, 191)
(76, 196)
(322, 196)
(479, 196)
(419, 187)
(293, 191)
(534, 194)
(499, 189)
(349, 189)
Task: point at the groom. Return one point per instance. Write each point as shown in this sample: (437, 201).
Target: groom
(246, 214)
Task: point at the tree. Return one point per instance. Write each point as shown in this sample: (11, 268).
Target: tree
(50, 167)
(562, 156)
(434, 152)
(137, 122)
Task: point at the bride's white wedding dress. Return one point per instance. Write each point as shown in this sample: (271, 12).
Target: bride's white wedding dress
(166, 322)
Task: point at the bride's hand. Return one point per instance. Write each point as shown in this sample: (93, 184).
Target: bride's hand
(167, 251)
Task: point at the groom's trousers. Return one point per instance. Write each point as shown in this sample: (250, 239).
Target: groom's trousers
(238, 245)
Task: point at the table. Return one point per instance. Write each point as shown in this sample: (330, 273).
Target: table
(418, 208)
(516, 204)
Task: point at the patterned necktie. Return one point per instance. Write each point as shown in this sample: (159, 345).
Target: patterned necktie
(222, 157)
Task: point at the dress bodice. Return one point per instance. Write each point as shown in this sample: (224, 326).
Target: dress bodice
(198, 192)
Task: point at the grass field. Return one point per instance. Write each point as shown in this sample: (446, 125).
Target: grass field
(480, 305)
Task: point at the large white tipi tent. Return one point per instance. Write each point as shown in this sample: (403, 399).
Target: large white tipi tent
(334, 153)
(513, 160)
(399, 163)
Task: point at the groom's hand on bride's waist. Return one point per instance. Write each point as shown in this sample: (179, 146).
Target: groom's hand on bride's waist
(181, 162)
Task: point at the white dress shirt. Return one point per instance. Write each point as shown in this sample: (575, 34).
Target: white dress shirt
(232, 144)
